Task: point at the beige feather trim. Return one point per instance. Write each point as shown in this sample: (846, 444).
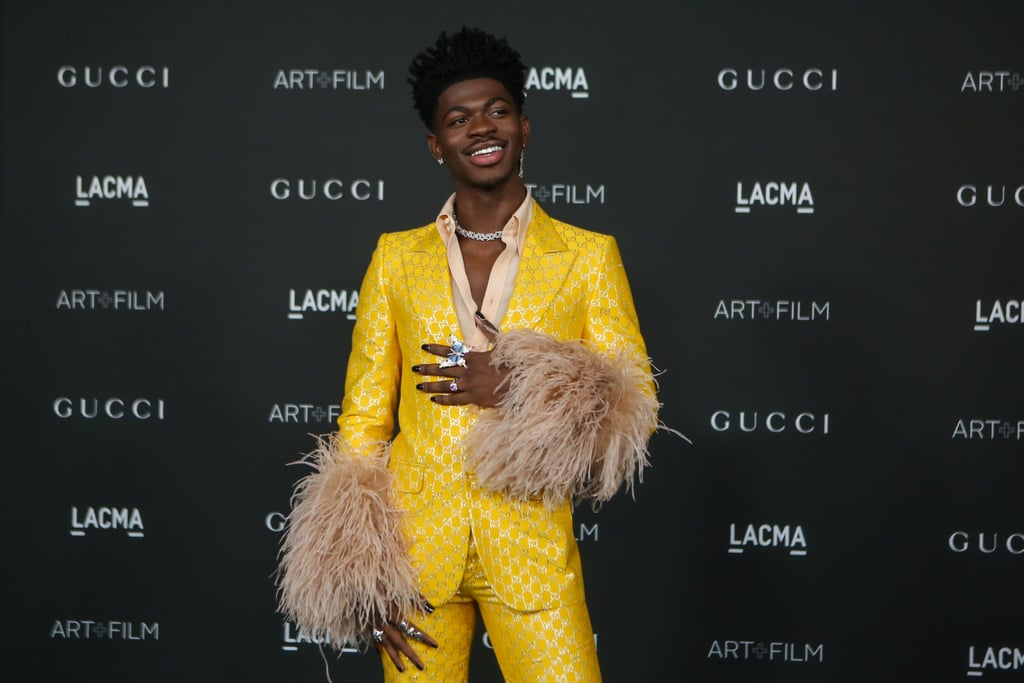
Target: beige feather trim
(343, 561)
(573, 424)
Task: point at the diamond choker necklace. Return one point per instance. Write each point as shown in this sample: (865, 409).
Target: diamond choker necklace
(470, 235)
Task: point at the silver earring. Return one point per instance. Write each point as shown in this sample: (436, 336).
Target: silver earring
(440, 162)
(522, 152)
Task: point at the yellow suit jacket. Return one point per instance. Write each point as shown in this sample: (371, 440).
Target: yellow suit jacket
(571, 285)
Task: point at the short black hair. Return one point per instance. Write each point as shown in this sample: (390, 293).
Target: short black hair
(469, 53)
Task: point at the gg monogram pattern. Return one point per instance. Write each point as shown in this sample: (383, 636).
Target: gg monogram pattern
(571, 285)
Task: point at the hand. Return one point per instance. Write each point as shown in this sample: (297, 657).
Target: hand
(478, 383)
(392, 638)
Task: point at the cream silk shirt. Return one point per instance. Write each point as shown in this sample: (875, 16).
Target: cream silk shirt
(503, 273)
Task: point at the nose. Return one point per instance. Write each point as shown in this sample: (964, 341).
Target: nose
(481, 125)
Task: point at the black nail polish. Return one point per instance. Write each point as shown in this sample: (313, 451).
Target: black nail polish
(424, 347)
(428, 608)
(419, 386)
(434, 399)
(479, 315)
(415, 368)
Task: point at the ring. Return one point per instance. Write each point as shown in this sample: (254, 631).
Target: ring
(378, 635)
(409, 630)
(454, 386)
(457, 355)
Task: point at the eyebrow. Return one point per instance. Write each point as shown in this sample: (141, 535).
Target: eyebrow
(487, 104)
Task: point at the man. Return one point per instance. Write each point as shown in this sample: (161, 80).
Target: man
(396, 540)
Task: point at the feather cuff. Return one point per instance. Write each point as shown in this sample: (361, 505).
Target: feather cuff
(574, 422)
(343, 561)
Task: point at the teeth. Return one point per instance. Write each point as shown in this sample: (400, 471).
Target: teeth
(486, 150)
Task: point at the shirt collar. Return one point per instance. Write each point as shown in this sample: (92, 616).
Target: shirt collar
(514, 231)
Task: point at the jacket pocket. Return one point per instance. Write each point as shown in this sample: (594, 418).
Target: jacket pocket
(407, 483)
(407, 476)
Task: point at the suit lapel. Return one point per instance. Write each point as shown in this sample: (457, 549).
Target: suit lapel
(429, 283)
(543, 268)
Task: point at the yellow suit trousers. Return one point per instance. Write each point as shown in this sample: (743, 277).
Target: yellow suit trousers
(548, 646)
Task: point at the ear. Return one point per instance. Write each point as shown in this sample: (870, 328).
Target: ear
(433, 145)
(525, 123)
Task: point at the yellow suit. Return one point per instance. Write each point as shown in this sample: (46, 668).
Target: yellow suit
(570, 285)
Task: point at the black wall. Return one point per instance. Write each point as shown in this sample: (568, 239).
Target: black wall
(825, 351)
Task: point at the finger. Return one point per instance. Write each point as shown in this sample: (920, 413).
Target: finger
(486, 326)
(399, 641)
(419, 635)
(434, 370)
(437, 349)
(460, 399)
(389, 647)
(452, 386)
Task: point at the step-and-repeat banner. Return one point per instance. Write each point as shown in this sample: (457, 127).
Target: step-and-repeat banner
(821, 211)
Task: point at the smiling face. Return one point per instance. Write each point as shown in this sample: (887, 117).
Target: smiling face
(480, 134)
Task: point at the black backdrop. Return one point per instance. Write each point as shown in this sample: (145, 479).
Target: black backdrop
(820, 209)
